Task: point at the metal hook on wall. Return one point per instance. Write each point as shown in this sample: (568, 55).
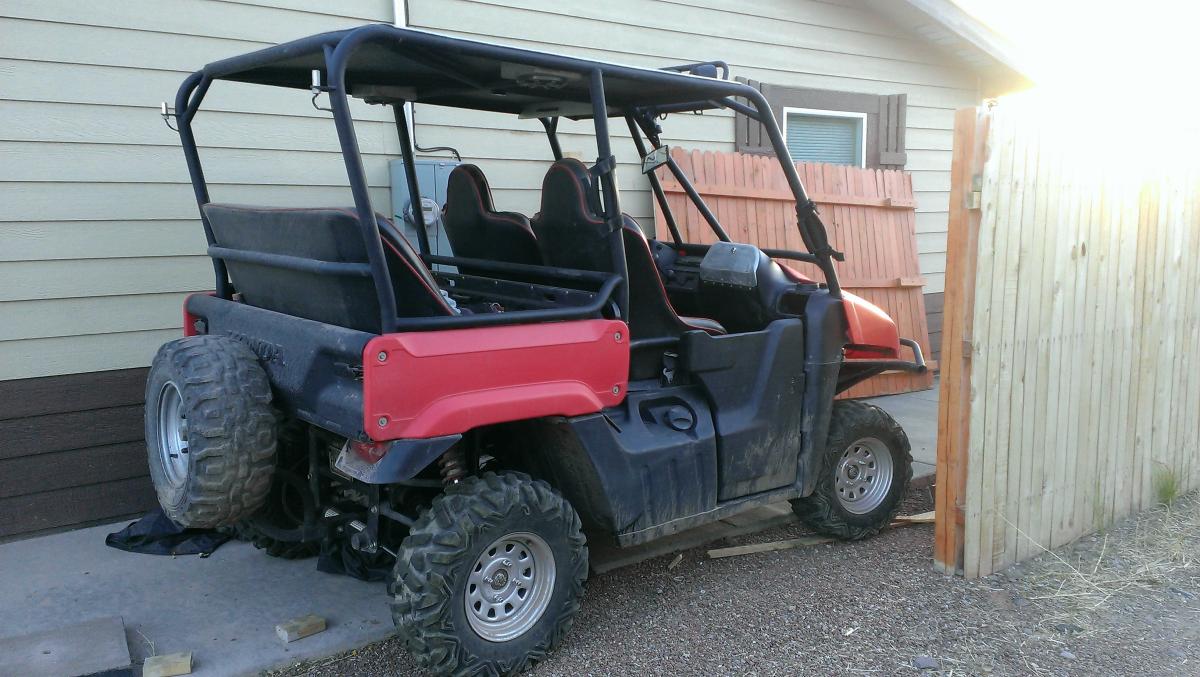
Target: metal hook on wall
(167, 113)
(317, 88)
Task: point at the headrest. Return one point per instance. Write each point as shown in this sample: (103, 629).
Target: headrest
(469, 178)
(570, 175)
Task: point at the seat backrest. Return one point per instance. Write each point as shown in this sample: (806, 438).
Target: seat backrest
(320, 234)
(572, 234)
(570, 231)
(476, 230)
(650, 312)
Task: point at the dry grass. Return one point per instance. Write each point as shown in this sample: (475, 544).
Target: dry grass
(1154, 554)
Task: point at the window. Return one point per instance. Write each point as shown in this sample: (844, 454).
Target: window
(835, 137)
(822, 125)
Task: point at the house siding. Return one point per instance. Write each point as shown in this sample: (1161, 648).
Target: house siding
(99, 234)
(99, 237)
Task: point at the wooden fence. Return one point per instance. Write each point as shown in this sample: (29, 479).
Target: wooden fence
(1071, 354)
(870, 215)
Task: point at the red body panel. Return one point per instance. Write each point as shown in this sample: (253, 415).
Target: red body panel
(189, 320)
(872, 334)
(444, 382)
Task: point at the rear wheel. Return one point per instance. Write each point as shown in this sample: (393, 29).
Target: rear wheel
(278, 528)
(210, 431)
(864, 474)
(489, 579)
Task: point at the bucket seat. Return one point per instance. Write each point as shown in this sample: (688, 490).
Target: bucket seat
(572, 234)
(476, 230)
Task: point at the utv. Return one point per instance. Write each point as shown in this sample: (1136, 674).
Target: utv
(470, 416)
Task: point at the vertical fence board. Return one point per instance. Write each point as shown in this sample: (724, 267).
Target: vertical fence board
(1071, 341)
(954, 400)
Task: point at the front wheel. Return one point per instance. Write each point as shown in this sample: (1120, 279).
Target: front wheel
(489, 578)
(864, 474)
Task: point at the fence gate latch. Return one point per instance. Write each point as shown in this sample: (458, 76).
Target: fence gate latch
(975, 197)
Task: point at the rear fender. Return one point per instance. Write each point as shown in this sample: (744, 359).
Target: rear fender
(419, 385)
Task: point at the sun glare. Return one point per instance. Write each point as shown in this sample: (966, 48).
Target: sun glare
(1119, 76)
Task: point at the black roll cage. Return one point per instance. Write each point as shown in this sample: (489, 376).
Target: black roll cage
(275, 65)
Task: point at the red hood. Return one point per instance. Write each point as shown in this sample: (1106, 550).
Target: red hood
(871, 333)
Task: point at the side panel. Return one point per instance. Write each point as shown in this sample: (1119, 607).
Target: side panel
(756, 383)
(647, 462)
(824, 341)
(427, 384)
(312, 366)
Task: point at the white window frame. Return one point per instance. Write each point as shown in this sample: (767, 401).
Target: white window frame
(862, 129)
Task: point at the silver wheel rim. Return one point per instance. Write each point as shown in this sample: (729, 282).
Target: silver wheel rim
(509, 586)
(172, 435)
(864, 475)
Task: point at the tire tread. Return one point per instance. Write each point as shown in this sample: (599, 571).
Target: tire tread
(439, 542)
(821, 510)
(231, 429)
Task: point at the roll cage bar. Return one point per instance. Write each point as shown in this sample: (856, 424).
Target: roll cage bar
(690, 88)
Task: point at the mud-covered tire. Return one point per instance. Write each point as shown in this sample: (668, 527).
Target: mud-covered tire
(429, 587)
(219, 396)
(850, 425)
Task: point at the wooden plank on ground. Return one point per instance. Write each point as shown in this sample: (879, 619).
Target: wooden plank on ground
(768, 547)
(299, 628)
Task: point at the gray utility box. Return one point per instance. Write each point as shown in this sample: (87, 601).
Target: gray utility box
(432, 176)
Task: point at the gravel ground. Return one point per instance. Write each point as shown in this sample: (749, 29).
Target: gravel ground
(1124, 603)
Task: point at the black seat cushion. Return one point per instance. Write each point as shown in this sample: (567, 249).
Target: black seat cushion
(708, 325)
(476, 230)
(320, 234)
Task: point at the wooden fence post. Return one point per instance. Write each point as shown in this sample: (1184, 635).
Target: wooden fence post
(954, 401)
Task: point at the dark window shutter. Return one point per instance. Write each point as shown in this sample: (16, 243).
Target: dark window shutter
(885, 120)
(892, 109)
(750, 137)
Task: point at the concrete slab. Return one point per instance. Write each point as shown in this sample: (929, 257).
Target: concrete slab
(223, 609)
(94, 647)
(917, 413)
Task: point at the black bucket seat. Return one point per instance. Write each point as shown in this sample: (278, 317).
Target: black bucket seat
(572, 234)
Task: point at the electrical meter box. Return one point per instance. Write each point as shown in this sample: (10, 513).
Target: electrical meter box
(432, 176)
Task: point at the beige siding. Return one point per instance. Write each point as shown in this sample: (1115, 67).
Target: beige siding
(787, 42)
(99, 237)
